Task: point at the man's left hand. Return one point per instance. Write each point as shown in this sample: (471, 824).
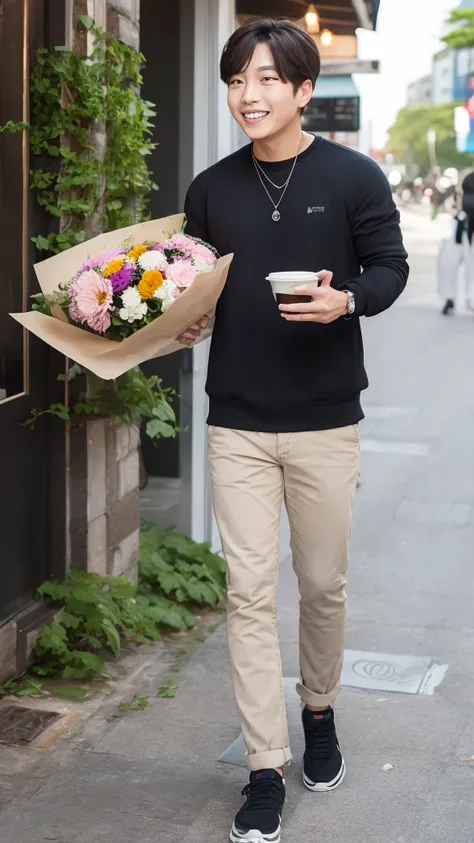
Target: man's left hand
(326, 306)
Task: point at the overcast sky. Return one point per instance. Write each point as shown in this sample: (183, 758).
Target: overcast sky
(408, 33)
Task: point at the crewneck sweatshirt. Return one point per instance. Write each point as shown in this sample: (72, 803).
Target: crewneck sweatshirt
(266, 374)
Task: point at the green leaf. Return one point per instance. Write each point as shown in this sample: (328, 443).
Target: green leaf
(86, 21)
(68, 620)
(75, 673)
(156, 428)
(166, 690)
(69, 692)
(113, 638)
(164, 411)
(57, 591)
(88, 660)
(41, 243)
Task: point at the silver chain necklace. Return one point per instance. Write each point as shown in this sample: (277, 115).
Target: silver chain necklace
(276, 213)
(264, 174)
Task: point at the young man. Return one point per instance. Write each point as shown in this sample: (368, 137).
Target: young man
(284, 396)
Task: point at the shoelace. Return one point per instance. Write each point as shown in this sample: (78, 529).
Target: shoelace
(261, 794)
(319, 740)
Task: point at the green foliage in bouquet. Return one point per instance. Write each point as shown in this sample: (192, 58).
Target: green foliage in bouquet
(100, 613)
(129, 399)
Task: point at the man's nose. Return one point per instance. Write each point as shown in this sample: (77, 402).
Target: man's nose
(250, 94)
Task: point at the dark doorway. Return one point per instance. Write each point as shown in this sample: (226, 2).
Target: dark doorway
(32, 479)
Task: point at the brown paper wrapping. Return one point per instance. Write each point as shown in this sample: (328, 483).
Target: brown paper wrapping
(105, 358)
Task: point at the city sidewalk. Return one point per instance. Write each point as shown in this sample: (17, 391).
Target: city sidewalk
(153, 776)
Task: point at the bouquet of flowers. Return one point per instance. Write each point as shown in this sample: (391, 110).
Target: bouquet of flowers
(125, 296)
(121, 290)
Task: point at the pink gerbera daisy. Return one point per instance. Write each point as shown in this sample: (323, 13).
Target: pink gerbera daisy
(92, 300)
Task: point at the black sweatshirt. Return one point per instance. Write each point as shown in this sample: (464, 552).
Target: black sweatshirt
(266, 374)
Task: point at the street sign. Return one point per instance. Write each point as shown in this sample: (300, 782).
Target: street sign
(331, 67)
(337, 114)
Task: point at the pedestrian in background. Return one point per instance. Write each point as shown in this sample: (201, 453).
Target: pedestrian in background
(457, 250)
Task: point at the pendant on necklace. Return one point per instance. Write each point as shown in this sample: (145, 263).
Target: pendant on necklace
(276, 215)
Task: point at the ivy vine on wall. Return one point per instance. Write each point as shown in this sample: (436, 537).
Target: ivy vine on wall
(88, 113)
(88, 116)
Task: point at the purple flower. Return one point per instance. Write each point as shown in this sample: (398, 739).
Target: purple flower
(99, 260)
(121, 279)
(157, 247)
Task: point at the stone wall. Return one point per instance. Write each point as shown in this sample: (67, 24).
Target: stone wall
(104, 495)
(123, 21)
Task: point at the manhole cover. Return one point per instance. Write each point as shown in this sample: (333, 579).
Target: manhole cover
(23, 725)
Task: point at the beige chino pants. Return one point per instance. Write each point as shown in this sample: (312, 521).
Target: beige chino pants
(315, 474)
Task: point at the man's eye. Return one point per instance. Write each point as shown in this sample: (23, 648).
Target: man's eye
(270, 79)
(234, 82)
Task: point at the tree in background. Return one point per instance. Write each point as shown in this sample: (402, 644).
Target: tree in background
(408, 138)
(463, 36)
(408, 135)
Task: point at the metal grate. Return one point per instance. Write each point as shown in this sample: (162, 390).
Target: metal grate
(19, 726)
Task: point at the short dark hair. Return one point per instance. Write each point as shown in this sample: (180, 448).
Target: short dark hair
(295, 53)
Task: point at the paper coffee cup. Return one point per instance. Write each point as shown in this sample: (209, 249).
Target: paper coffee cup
(283, 283)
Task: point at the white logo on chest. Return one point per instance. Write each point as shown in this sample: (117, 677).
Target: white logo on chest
(316, 209)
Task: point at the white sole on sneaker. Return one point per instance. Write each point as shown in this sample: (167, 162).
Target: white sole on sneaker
(325, 787)
(254, 836)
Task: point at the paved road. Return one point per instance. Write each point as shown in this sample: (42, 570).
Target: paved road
(154, 775)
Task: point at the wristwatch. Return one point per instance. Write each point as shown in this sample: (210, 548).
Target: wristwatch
(351, 305)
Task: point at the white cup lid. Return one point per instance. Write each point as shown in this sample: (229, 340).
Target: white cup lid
(293, 277)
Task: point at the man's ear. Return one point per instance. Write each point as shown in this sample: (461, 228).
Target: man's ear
(305, 92)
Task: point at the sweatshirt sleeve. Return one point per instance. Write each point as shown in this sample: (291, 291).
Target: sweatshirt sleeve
(377, 237)
(195, 210)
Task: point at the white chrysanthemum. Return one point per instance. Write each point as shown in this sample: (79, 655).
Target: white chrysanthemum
(152, 260)
(134, 309)
(166, 290)
(200, 264)
(166, 303)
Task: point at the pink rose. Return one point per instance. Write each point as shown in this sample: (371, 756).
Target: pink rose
(182, 273)
(181, 242)
(201, 251)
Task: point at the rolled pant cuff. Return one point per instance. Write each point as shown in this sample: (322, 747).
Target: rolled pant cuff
(317, 700)
(268, 760)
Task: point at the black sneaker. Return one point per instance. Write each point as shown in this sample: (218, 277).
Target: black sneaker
(323, 766)
(448, 308)
(259, 819)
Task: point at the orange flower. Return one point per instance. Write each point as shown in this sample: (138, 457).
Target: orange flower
(113, 266)
(151, 281)
(136, 251)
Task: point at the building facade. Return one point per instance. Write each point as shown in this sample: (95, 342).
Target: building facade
(420, 92)
(69, 493)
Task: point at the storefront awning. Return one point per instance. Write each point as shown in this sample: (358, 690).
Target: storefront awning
(328, 87)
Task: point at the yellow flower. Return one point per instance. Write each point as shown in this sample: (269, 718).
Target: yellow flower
(151, 281)
(113, 266)
(136, 251)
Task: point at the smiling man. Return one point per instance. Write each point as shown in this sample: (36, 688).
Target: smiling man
(284, 386)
